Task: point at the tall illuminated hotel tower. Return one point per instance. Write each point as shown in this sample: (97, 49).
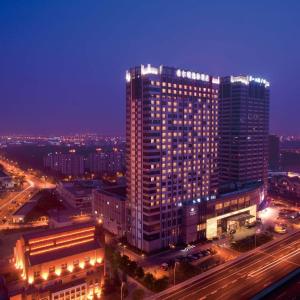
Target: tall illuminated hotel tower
(244, 130)
(171, 132)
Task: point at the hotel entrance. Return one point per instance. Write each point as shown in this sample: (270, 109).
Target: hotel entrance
(230, 222)
(236, 222)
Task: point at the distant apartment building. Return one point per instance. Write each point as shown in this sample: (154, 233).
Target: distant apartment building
(243, 130)
(78, 193)
(109, 208)
(64, 263)
(274, 152)
(69, 164)
(106, 162)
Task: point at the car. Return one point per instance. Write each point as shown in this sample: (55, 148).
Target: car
(250, 225)
(180, 258)
(209, 251)
(212, 251)
(188, 247)
(192, 257)
(164, 266)
(199, 254)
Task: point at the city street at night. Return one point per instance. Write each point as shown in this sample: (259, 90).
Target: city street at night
(243, 277)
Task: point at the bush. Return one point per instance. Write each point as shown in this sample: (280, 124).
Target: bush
(139, 272)
(108, 287)
(149, 280)
(132, 266)
(160, 284)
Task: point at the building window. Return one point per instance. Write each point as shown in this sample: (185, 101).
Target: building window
(36, 274)
(201, 227)
(51, 269)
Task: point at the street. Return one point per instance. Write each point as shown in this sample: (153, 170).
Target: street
(14, 200)
(244, 277)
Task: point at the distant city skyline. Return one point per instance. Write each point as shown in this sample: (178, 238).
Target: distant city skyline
(63, 66)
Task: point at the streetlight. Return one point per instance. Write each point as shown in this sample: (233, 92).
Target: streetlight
(122, 286)
(176, 262)
(256, 231)
(124, 247)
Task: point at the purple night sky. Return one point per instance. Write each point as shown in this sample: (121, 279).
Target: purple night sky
(63, 62)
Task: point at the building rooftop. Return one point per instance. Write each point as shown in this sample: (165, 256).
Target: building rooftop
(81, 188)
(25, 209)
(28, 206)
(60, 253)
(239, 190)
(117, 191)
(48, 232)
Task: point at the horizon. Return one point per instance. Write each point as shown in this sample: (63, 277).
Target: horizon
(64, 67)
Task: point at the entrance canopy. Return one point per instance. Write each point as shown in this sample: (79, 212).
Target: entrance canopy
(240, 217)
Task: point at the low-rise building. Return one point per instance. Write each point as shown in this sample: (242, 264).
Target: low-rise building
(6, 182)
(285, 185)
(109, 208)
(78, 194)
(20, 214)
(62, 263)
(227, 212)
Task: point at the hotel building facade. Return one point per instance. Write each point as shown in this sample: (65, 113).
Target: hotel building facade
(171, 131)
(172, 135)
(244, 130)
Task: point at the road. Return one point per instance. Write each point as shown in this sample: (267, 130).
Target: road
(11, 202)
(243, 277)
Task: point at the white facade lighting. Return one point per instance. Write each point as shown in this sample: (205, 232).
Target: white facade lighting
(247, 79)
(149, 70)
(128, 76)
(192, 75)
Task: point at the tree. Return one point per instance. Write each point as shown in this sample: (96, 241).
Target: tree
(124, 262)
(116, 278)
(107, 286)
(149, 280)
(139, 272)
(124, 277)
(132, 266)
(160, 284)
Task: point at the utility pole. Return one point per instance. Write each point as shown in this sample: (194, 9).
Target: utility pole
(122, 286)
(176, 262)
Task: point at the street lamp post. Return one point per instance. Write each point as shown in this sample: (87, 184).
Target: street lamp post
(256, 231)
(122, 286)
(176, 262)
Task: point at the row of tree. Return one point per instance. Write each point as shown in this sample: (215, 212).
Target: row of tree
(122, 262)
